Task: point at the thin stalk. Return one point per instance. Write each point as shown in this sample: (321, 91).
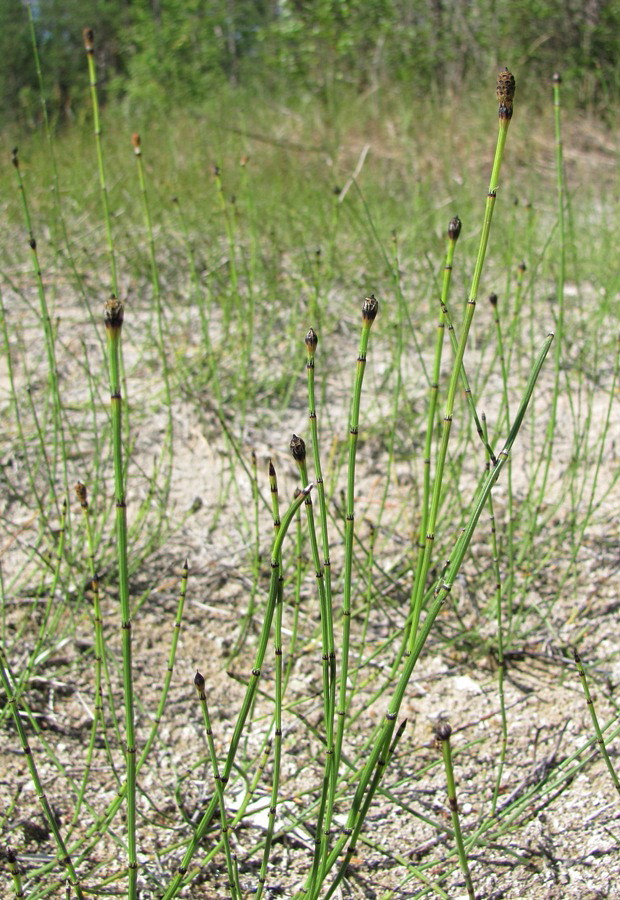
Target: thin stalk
(454, 230)
(250, 695)
(277, 741)
(15, 873)
(299, 570)
(167, 449)
(79, 281)
(311, 341)
(370, 308)
(443, 732)
(114, 313)
(298, 450)
(247, 618)
(561, 278)
(219, 788)
(597, 728)
(59, 447)
(505, 95)
(383, 760)
(501, 668)
(89, 46)
(64, 858)
(510, 525)
(101, 661)
(440, 594)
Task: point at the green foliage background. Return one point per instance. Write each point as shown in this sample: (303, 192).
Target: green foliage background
(160, 53)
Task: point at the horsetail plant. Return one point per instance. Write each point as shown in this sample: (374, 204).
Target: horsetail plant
(277, 732)
(101, 660)
(167, 449)
(597, 728)
(370, 308)
(114, 313)
(383, 732)
(64, 857)
(501, 665)
(454, 231)
(443, 732)
(505, 97)
(235, 892)
(89, 46)
(59, 449)
(328, 665)
(250, 694)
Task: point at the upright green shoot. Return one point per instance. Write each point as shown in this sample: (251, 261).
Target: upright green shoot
(505, 96)
(114, 314)
(89, 45)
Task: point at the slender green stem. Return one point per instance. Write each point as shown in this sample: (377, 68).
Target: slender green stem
(369, 312)
(89, 46)
(114, 313)
(454, 230)
(277, 742)
(298, 450)
(387, 751)
(500, 642)
(59, 446)
(561, 278)
(252, 686)
(219, 788)
(64, 857)
(443, 732)
(597, 728)
(505, 94)
(165, 456)
(15, 871)
(442, 589)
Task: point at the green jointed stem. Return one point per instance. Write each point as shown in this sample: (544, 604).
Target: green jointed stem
(384, 730)
(49, 135)
(64, 857)
(114, 313)
(597, 728)
(277, 742)
(454, 230)
(443, 732)
(505, 95)
(101, 662)
(166, 453)
(14, 869)
(59, 446)
(89, 46)
(561, 277)
(500, 639)
(370, 308)
(252, 686)
(311, 341)
(298, 450)
(219, 787)
(387, 751)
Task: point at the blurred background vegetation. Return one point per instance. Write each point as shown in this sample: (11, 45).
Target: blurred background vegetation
(159, 54)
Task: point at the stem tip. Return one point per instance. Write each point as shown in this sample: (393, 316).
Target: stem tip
(89, 39)
(454, 229)
(505, 93)
(298, 448)
(443, 730)
(370, 308)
